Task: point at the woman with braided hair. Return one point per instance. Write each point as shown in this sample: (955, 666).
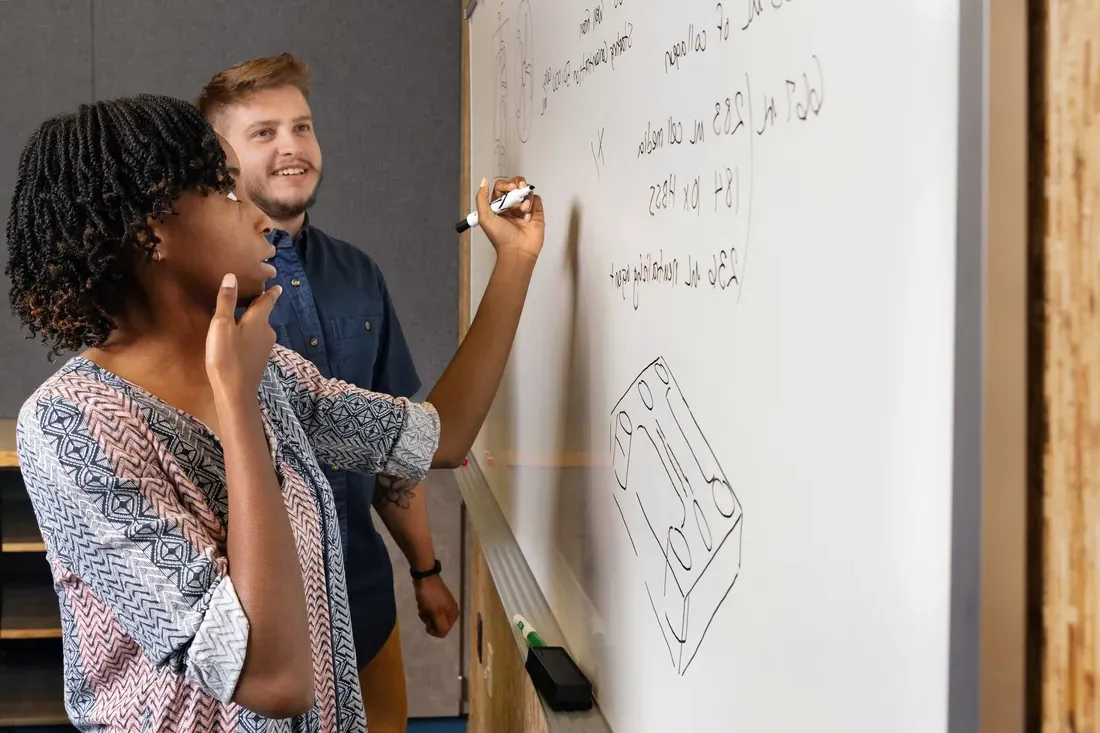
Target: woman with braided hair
(173, 464)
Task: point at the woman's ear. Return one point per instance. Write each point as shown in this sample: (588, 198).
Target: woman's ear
(159, 233)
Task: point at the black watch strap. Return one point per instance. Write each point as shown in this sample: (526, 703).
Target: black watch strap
(421, 574)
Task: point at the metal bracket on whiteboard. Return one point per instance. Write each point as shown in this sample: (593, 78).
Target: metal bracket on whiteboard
(469, 9)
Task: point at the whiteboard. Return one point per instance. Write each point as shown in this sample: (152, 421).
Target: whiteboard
(724, 441)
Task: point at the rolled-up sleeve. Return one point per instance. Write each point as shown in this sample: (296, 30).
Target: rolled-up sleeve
(114, 520)
(355, 428)
(217, 653)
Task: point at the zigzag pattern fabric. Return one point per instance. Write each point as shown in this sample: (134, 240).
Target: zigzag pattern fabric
(131, 499)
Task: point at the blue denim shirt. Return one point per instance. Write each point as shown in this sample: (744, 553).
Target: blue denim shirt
(335, 310)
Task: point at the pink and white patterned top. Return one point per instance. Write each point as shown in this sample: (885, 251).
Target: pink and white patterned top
(130, 496)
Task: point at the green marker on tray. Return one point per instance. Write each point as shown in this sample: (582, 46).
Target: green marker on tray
(528, 631)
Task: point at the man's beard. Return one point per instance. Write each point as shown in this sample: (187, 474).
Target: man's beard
(281, 209)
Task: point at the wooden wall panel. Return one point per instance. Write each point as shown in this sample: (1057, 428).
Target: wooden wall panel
(502, 698)
(1069, 329)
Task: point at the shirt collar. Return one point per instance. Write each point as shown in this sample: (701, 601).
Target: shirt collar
(279, 237)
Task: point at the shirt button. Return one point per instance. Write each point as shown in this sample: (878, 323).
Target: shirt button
(367, 325)
(295, 282)
(335, 467)
(313, 341)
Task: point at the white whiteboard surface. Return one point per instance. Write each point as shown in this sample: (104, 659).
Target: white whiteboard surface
(734, 377)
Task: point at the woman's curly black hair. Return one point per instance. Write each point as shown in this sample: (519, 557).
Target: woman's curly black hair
(89, 184)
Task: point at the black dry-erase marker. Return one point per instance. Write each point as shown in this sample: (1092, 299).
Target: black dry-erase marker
(506, 201)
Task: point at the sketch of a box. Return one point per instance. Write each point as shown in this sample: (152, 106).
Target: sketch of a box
(681, 515)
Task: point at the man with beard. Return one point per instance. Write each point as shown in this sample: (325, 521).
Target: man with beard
(337, 313)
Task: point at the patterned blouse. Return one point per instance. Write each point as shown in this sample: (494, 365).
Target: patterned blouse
(130, 496)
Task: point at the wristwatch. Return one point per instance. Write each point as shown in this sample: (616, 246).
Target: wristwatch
(421, 574)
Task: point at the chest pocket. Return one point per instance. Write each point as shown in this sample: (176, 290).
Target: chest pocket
(356, 339)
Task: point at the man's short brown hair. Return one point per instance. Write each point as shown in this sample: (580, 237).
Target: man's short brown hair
(237, 83)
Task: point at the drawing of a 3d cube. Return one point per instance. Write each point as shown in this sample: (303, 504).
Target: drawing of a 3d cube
(681, 514)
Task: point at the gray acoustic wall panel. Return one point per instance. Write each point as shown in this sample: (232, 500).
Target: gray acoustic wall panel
(46, 55)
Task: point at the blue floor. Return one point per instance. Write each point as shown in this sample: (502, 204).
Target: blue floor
(438, 725)
(420, 725)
